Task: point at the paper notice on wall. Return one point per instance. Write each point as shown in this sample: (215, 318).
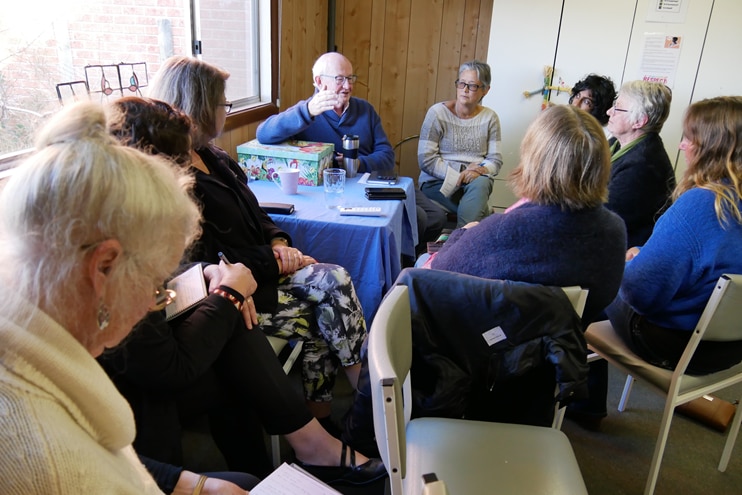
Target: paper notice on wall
(660, 59)
(667, 11)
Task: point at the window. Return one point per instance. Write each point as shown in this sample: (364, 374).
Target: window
(56, 51)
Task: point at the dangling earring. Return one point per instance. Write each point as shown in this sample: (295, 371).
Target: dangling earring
(104, 316)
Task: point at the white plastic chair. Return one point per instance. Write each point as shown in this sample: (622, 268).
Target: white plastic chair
(578, 297)
(721, 321)
(278, 345)
(469, 456)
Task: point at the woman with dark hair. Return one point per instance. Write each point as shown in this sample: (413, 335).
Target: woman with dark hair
(297, 297)
(595, 95)
(211, 360)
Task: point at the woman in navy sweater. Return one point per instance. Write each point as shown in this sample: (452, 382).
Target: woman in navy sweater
(562, 235)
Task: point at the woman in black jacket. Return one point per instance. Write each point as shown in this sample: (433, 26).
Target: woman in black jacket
(212, 359)
(296, 296)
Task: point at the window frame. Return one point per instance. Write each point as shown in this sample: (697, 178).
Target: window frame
(239, 117)
(251, 114)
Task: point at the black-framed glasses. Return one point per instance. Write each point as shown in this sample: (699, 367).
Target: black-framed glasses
(227, 106)
(339, 80)
(472, 87)
(163, 297)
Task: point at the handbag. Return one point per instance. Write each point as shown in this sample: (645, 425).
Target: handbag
(709, 410)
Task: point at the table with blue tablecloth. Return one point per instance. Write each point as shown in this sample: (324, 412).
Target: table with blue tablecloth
(370, 248)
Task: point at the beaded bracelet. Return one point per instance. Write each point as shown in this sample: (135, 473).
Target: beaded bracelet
(226, 295)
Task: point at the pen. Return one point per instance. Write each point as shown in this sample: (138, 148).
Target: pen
(223, 258)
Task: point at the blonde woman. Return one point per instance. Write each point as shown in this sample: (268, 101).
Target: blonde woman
(89, 230)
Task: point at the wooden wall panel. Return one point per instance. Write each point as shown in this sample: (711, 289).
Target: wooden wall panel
(394, 67)
(303, 38)
(356, 40)
(470, 30)
(452, 43)
(375, 52)
(406, 54)
(482, 29)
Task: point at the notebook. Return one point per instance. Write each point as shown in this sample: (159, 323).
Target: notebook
(190, 289)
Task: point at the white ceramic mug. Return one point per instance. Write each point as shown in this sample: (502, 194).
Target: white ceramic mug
(288, 180)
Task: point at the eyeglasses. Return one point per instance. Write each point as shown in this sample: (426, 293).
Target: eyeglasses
(163, 297)
(616, 109)
(339, 80)
(227, 106)
(472, 87)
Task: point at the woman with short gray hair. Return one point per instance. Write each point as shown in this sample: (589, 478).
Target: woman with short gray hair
(462, 137)
(642, 177)
(642, 180)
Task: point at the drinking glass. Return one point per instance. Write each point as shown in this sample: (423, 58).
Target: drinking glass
(334, 181)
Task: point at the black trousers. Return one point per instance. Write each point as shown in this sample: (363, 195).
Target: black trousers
(245, 382)
(663, 347)
(245, 388)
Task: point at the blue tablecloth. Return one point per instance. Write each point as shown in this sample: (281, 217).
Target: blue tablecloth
(370, 248)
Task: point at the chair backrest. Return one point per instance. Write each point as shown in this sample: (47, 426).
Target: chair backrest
(722, 318)
(389, 359)
(577, 296)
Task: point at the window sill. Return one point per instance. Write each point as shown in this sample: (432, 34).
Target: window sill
(249, 115)
(241, 118)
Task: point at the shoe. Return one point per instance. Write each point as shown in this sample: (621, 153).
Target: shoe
(369, 471)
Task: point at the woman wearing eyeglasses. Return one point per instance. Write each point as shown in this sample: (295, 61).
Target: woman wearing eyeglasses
(297, 297)
(642, 177)
(212, 361)
(461, 138)
(642, 180)
(89, 228)
(595, 95)
(667, 283)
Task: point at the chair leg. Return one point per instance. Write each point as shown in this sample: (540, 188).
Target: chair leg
(298, 345)
(659, 448)
(276, 450)
(626, 392)
(278, 344)
(731, 438)
(558, 417)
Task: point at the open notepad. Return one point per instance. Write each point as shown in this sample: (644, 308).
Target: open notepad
(450, 182)
(290, 479)
(190, 289)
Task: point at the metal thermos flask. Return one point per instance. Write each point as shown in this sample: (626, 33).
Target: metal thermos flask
(350, 155)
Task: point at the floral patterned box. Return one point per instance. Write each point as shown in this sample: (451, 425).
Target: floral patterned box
(263, 161)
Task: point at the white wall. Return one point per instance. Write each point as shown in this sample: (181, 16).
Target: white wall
(583, 36)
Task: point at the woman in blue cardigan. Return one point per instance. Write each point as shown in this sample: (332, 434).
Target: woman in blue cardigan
(668, 281)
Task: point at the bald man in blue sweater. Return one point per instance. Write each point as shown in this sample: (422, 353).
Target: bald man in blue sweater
(332, 112)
